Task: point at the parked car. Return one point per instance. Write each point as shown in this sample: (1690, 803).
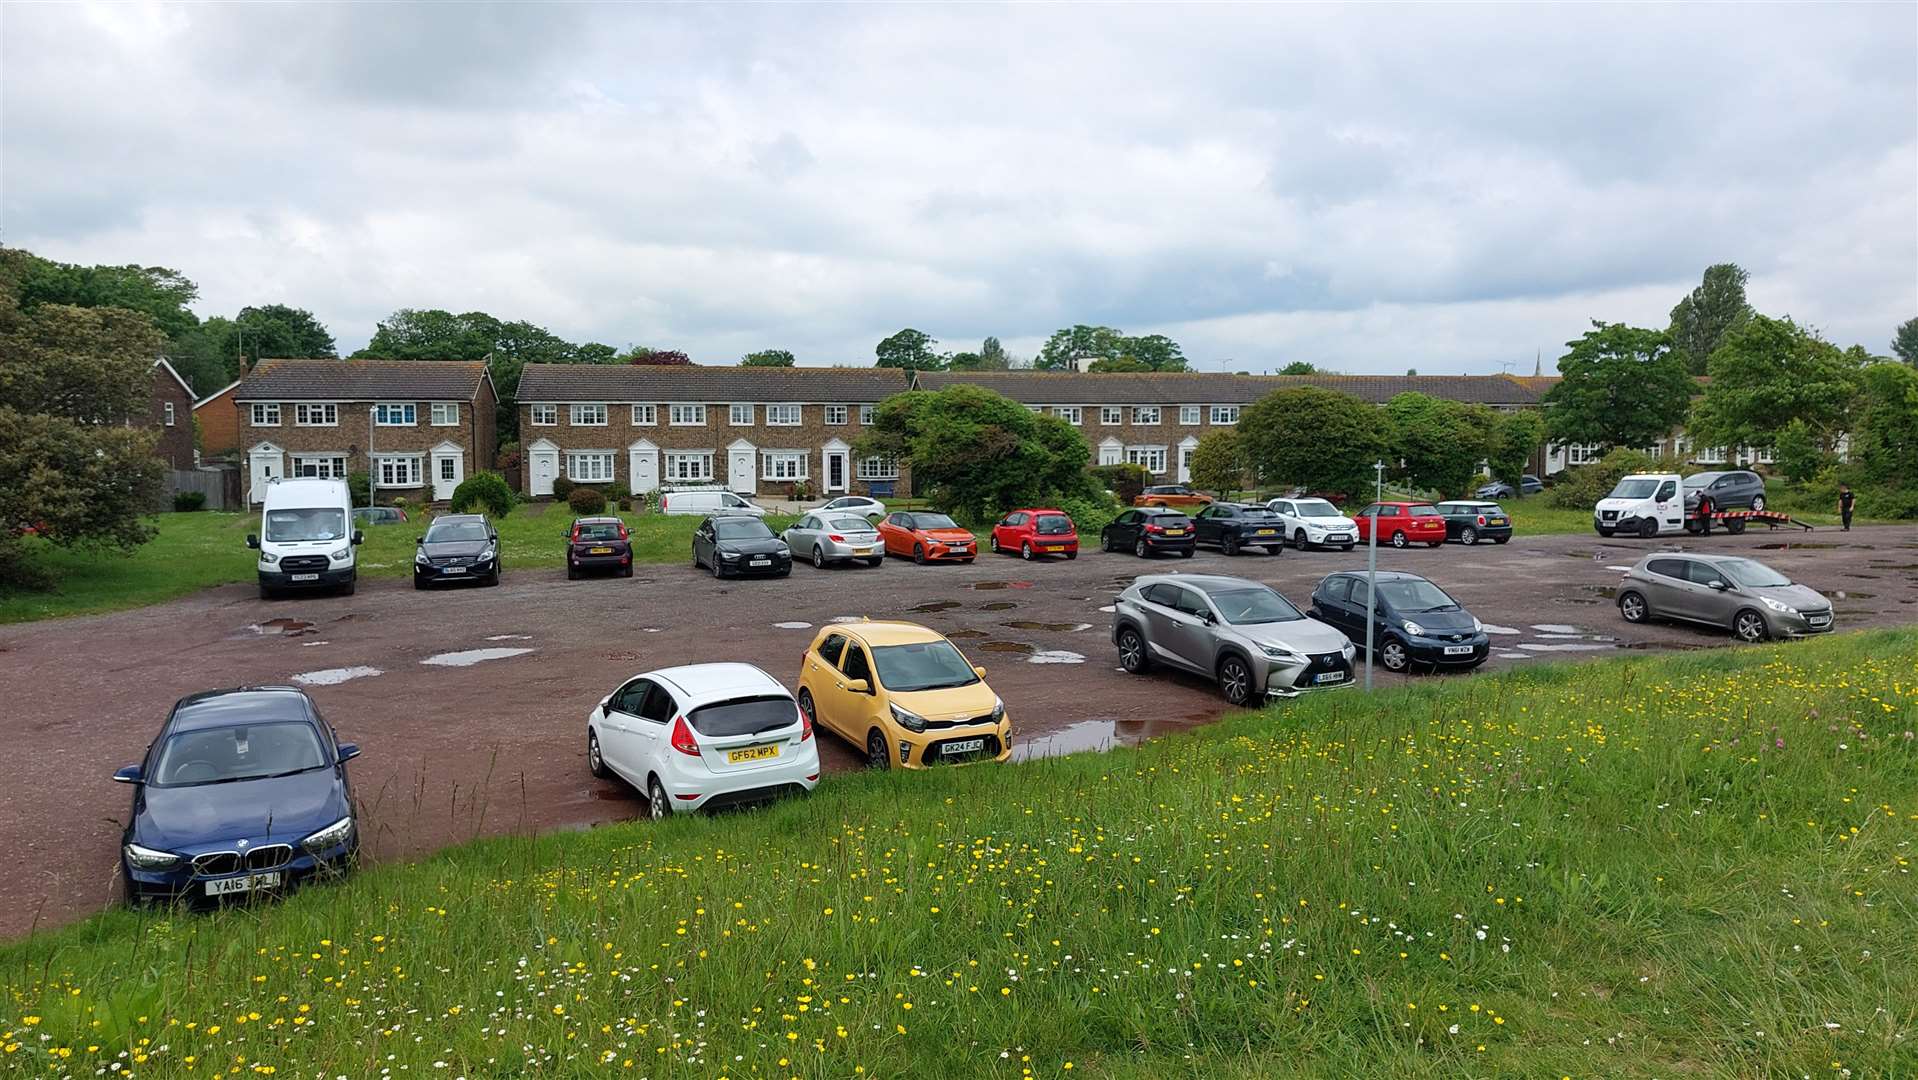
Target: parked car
(243, 792)
(1414, 621)
(1253, 641)
(1402, 524)
(1737, 489)
(831, 536)
(457, 547)
(305, 539)
(927, 537)
(1236, 526)
(1641, 504)
(1150, 531)
(707, 500)
(1729, 591)
(1173, 495)
(1469, 521)
(598, 543)
(904, 693)
(862, 505)
(738, 545)
(1036, 531)
(1314, 523)
(1500, 489)
(378, 515)
(701, 737)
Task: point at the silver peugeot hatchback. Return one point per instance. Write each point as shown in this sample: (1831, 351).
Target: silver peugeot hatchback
(1744, 595)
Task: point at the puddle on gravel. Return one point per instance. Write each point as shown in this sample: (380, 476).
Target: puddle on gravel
(1005, 646)
(1050, 627)
(937, 605)
(792, 626)
(1563, 646)
(1494, 628)
(335, 676)
(998, 605)
(1609, 592)
(1110, 608)
(989, 586)
(282, 628)
(510, 637)
(1056, 656)
(469, 657)
(1579, 554)
(842, 619)
(1843, 594)
(1793, 545)
(966, 634)
(1089, 735)
(1554, 628)
(1663, 646)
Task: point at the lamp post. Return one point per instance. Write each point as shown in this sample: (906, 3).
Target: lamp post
(1372, 566)
(372, 472)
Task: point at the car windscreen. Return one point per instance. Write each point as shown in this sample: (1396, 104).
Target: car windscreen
(295, 526)
(1243, 606)
(1628, 488)
(1753, 574)
(744, 716)
(922, 665)
(850, 524)
(249, 752)
(599, 530)
(742, 529)
(1424, 509)
(1169, 521)
(1052, 525)
(456, 532)
(1410, 596)
(1317, 508)
(1701, 479)
(932, 521)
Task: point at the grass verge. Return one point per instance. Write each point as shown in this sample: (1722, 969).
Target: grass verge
(1696, 865)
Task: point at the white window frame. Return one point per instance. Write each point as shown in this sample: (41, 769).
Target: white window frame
(645, 415)
(1581, 453)
(1111, 414)
(695, 415)
(448, 468)
(1146, 456)
(866, 414)
(167, 408)
(264, 414)
(785, 466)
(545, 415)
(383, 416)
(703, 473)
(777, 415)
(1189, 414)
(1710, 455)
(740, 414)
(409, 474)
(836, 415)
(586, 414)
(877, 468)
(1145, 414)
(316, 414)
(325, 466)
(590, 466)
(444, 414)
(1071, 414)
(1224, 415)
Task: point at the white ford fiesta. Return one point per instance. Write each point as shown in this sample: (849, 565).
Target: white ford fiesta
(703, 736)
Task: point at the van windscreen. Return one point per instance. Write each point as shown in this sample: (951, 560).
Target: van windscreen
(306, 525)
(1634, 488)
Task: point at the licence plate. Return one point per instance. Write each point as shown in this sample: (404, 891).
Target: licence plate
(1266, 532)
(1498, 521)
(762, 560)
(1818, 620)
(599, 551)
(862, 551)
(1333, 538)
(1175, 532)
(752, 753)
(1458, 650)
(248, 883)
(964, 746)
(1329, 676)
(452, 569)
(306, 577)
(1056, 547)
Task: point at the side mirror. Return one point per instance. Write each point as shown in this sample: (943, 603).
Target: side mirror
(1720, 584)
(359, 537)
(858, 686)
(420, 541)
(979, 671)
(132, 774)
(253, 541)
(349, 751)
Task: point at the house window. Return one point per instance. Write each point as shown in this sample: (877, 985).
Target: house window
(545, 415)
(266, 415)
(1145, 414)
(865, 414)
(169, 412)
(782, 416)
(588, 416)
(1225, 414)
(320, 466)
(445, 414)
(396, 415)
(741, 416)
(783, 465)
(1110, 414)
(688, 416)
(449, 469)
(693, 467)
(1071, 414)
(1581, 453)
(1188, 414)
(645, 415)
(397, 470)
(1151, 457)
(835, 414)
(877, 468)
(1712, 455)
(589, 466)
(316, 415)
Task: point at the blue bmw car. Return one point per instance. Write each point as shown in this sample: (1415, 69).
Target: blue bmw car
(244, 791)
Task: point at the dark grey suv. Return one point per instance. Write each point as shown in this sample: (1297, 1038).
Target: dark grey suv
(1738, 489)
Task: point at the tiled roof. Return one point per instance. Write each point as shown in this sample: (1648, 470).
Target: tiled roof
(362, 380)
(1205, 388)
(682, 382)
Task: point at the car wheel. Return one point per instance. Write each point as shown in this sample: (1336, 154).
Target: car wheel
(1132, 654)
(806, 706)
(1398, 540)
(1071, 555)
(1632, 607)
(626, 571)
(992, 543)
(1298, 539)
(877, 756)
(267, 593)
(1235, 681)
(657, 807)
(1105, 540)
(418, 586)
(494, 580)
(1468, 536)
(1648, 528)
(572, 572)
(1025, 551)
(1607, 532)
(919, 554)
(876, 560)
(1229, 545)
(1749, 626)
(347, 589)
(1435, 543)
(594, 760)
(1394, 655)
(1275, 549)
(818, 557)
(1736, 526)
(1139, 548)
(1758, 502)
(716, 565)
(1188, 552)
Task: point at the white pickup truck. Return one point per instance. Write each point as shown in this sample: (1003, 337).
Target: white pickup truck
(1643, 504)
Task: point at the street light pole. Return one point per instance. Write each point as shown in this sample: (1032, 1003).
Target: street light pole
(1372, 566)
(372, 472)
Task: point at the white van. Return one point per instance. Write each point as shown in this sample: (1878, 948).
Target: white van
(1643, 504)
(306, 536)
(706, 500)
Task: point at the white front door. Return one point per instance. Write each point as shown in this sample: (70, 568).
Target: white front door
(740, 462)
(266, 463)
(1186, 449)
(643, 465)
(835, 470)
(449, 468)
(544, 466)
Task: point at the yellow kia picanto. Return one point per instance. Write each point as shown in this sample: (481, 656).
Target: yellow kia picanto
(904, 693)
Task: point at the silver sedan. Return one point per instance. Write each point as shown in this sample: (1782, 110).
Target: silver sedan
(828, 536)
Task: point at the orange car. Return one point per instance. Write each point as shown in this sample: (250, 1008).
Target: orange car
(927, 537)
(1176, 496)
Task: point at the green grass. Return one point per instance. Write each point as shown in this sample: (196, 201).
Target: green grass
(1691, 866)
(194, 551)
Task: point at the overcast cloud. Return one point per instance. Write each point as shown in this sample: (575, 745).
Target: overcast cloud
(1367, 188)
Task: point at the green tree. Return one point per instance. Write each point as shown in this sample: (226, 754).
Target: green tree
(1218, 462)
(659, 357)
(1318, 439)
(1714, 309)
(160, 293)
(432, 334)
(1108, 365)
(976, 453)
(1904, 345)
(1299, 367)
(1438, 444)
(993, 356)
(910, 349)
(962, 361)
(1622, 386)
(1078, 346)
(1769, 371)
(768, 358)
(1517, 436)
(594, 352)
(1797, 452)
(1156, 351)
(1884, 442)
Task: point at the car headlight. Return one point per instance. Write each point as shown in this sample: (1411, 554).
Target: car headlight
(1477, 627)
(1779, 605)
(907, 719)
(341, 555)
(998, 710)
(146, 858)
(729, 554)
(1413, 628)
(486, 555)
(419, 557)
(1349, 651)
(330, 837)
(1279, 652)
(269, 560)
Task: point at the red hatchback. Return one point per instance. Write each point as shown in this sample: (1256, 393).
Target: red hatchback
(1032, 533)
(1402, 523)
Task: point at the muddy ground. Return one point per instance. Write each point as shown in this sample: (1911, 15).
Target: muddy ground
(492, 742)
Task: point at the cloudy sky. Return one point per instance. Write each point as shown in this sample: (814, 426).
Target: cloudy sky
(1368, 188)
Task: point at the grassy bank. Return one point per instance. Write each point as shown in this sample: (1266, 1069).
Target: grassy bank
(1695, 865)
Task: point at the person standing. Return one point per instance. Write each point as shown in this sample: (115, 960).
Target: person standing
(1845, 500)
(1705, 509)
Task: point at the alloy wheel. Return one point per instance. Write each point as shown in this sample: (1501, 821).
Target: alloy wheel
(1749, 626)
(1758, 502)
(1469, 535)
(1398, 540)
(1235, 681)
(877, 756)
(656, 804)
(818, 557)
(1632, 607)
(1131, 651)
(1298, 540)
(1139, 548)
(1392, 654)
(594, 761)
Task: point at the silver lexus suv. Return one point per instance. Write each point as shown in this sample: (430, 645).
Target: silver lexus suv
(1239, 632)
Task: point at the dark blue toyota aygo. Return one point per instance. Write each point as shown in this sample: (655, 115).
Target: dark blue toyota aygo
(243, 792)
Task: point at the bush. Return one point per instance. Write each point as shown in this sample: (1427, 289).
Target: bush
(618, 493)
(585, 500)
(360, 484)
(1582, 487)
(1125, 481)
(186, 502)
(485, 491)
(1091, 515)
(562, 488)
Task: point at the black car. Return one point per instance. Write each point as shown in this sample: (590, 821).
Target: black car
(378, 515)
(598, 543)
(1469, 521)
(243, 792)
(1414, 621)
(1233, 526)
(1499, 489)
(457, 547)
(738, 545)
(1150, 530)
(1738, 489)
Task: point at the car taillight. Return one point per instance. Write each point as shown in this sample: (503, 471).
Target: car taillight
(1481, 519)
(683, 738)
(574, 539)
(836, 538)
(1155, 528)
(805, 726)
(622, 532)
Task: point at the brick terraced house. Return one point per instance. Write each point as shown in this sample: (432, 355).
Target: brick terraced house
(1157, 419)
(755, 430)
(171, 414)
(418, 427)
